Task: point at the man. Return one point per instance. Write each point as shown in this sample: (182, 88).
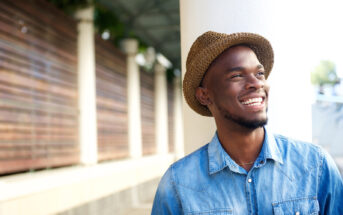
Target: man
(245, 169)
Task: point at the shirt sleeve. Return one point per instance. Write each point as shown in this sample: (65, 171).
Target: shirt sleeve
(330, 189)
(166, 199)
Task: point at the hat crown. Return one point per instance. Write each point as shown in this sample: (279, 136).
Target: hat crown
(202, 42)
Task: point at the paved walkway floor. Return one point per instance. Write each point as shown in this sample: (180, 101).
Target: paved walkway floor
(142, 209)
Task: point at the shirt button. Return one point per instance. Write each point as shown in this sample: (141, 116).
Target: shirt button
(249, 180)
(297, 213)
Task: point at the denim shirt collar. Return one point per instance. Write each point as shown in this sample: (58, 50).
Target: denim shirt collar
(219, 159)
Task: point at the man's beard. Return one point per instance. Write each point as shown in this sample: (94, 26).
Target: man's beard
(250, 124)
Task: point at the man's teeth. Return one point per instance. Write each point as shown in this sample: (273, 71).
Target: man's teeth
(253, 101)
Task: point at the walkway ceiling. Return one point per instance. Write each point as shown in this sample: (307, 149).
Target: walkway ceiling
(156, 22)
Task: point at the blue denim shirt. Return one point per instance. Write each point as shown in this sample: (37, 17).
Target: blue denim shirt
(288, 177)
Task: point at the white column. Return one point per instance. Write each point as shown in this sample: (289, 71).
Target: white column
(178, 122)
(130, 47)
(262, 17)
(161, 109)
(87, 87)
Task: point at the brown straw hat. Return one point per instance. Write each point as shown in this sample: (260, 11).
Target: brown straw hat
(208, 47)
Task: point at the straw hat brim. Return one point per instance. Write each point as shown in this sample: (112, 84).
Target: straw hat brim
(208, 47)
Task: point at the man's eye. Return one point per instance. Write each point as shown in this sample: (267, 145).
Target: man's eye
(236, 76)
(261, 73)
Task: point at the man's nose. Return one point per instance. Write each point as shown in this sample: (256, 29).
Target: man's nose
(254, 82)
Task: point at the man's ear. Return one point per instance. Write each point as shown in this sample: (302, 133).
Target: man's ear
(201, 94)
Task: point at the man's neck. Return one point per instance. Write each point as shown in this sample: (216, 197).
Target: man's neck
(242, 144)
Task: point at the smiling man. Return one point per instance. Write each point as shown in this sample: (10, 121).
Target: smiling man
(245, 169)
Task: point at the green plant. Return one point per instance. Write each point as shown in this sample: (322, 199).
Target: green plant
(324, 74)
(70, 6)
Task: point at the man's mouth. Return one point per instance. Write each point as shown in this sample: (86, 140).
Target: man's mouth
(253, 101)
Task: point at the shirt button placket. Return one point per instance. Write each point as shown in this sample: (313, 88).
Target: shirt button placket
(250, 193)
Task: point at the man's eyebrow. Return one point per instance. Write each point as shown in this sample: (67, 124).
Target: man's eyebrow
(260, 66)
(233, 69)
(239, 68)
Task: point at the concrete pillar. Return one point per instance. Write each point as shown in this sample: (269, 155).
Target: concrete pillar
(262, 17)
(161, 109)
(87, 87)
(130, 47)
(178, 121)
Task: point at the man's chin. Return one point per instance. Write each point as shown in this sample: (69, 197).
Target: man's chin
(250, 124)
(253, 124)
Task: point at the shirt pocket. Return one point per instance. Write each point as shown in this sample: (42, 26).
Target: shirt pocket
(224, 211)
(303, 206)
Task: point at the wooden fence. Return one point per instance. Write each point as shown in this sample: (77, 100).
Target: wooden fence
(111, 101)
(39, 92)
(38, 87)
(147, 112)
(171, 117)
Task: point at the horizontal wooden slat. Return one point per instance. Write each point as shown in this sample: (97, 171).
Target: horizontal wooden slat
(31, 110)
(35, 152)
(35, 135)
(39, 143)
(110, 104)
(22, 128)
(22, 52)
(36, 69)
(107, 116)
(118, 91)
(36, 84)
(10, 166)
(8, 90)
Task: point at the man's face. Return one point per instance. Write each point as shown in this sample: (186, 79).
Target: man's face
(236, 88)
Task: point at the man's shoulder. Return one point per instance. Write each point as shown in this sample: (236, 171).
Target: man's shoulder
(299, 150)
(289, 143)
(195, 159)
(190, 169)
